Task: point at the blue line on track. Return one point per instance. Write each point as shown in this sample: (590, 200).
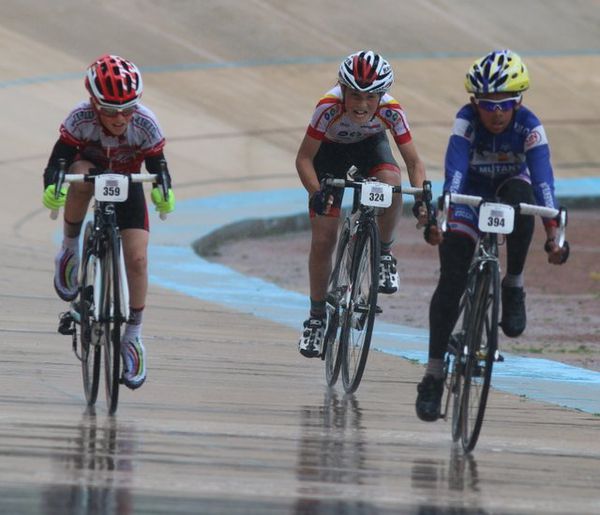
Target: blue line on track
(174, 265)
(286, 61)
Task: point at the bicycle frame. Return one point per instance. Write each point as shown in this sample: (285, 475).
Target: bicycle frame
(105, 225)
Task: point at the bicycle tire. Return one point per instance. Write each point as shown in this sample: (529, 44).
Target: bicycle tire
(455, 359)
(90, 349)
(360, 316)
(112, 319)
(336, 306)
(454, 385)
(482, 342)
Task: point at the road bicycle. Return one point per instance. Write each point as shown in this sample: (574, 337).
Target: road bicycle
(351, 301)
(473, 345)
(102, 305)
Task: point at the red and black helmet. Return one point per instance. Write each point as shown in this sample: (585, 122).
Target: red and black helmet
(366, 71)
(114, 82)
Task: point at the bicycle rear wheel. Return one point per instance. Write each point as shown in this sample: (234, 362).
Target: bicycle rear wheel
(482, 342)
(90, 345)
(337, 301)
(360, 315)
(112, 320)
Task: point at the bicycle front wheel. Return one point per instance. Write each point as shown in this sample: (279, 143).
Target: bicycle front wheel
(482, 343)
(90, 347)
(360, 315)
(112, 320)
(454, 383)
(337, 301)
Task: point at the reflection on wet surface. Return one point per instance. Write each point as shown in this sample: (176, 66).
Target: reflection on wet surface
(332, 446)
(458, 473)
(334, 450)
(94, 474)
(331, 450)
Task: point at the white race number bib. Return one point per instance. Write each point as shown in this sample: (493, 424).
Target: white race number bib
(111, 188)
(376, 194)
(498, 218)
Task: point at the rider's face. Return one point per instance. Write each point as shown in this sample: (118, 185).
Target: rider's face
(115, 122)
(360, 106)
(495, 115)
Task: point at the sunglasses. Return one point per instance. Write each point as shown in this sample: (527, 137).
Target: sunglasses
(112, 112)
(506, 104)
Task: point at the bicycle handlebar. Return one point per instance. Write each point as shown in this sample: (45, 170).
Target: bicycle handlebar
(560, 215)
(345, 183)
(423, 193)
(64, 178)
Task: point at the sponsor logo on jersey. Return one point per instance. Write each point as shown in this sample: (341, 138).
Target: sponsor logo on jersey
(147, 125)
(534, 138)
(87, 114)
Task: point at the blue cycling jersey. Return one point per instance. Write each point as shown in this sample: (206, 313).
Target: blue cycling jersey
(478, 162)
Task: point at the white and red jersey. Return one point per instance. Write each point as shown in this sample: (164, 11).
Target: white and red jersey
(330, 122)
(143, 138)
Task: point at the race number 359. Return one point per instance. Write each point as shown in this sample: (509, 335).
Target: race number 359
(111, 188)
(498, 218)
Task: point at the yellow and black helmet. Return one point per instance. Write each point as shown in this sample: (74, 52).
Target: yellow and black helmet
(500, 71)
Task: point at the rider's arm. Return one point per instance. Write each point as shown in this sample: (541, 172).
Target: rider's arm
(61, 150)
(537, 156)
(304, 163)
(154, 165)
(414, 166)
(458, 154)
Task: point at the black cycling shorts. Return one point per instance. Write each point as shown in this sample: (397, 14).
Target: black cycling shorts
(133, 213)
(369, 156)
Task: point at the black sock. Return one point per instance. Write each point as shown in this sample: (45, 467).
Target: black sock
(386, 247)
(317, 308)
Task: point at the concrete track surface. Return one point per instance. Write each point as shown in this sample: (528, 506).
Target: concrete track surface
(232, 419)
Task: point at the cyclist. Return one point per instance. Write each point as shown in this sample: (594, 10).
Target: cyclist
(348, 127)
(497, 147)
(111, 130)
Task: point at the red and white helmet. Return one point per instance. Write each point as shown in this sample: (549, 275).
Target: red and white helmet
(366, 71)
(114, 82)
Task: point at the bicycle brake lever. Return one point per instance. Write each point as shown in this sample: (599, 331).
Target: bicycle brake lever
(163, 178)
(60, 177)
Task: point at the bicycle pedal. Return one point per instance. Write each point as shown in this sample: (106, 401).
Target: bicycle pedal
(378, 310)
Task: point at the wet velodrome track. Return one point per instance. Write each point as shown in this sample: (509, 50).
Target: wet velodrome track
(232, 419)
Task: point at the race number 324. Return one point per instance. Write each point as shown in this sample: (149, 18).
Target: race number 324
(376, 194)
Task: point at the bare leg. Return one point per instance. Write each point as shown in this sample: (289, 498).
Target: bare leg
(78, 199)
(389, 219)
(135, 251)
(324, 237)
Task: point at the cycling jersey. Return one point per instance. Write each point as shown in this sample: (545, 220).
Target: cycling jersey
(143, 138)
(330, 122)
(478, 162)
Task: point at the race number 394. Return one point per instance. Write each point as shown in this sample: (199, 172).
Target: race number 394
(111, 188)
(498, 218)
